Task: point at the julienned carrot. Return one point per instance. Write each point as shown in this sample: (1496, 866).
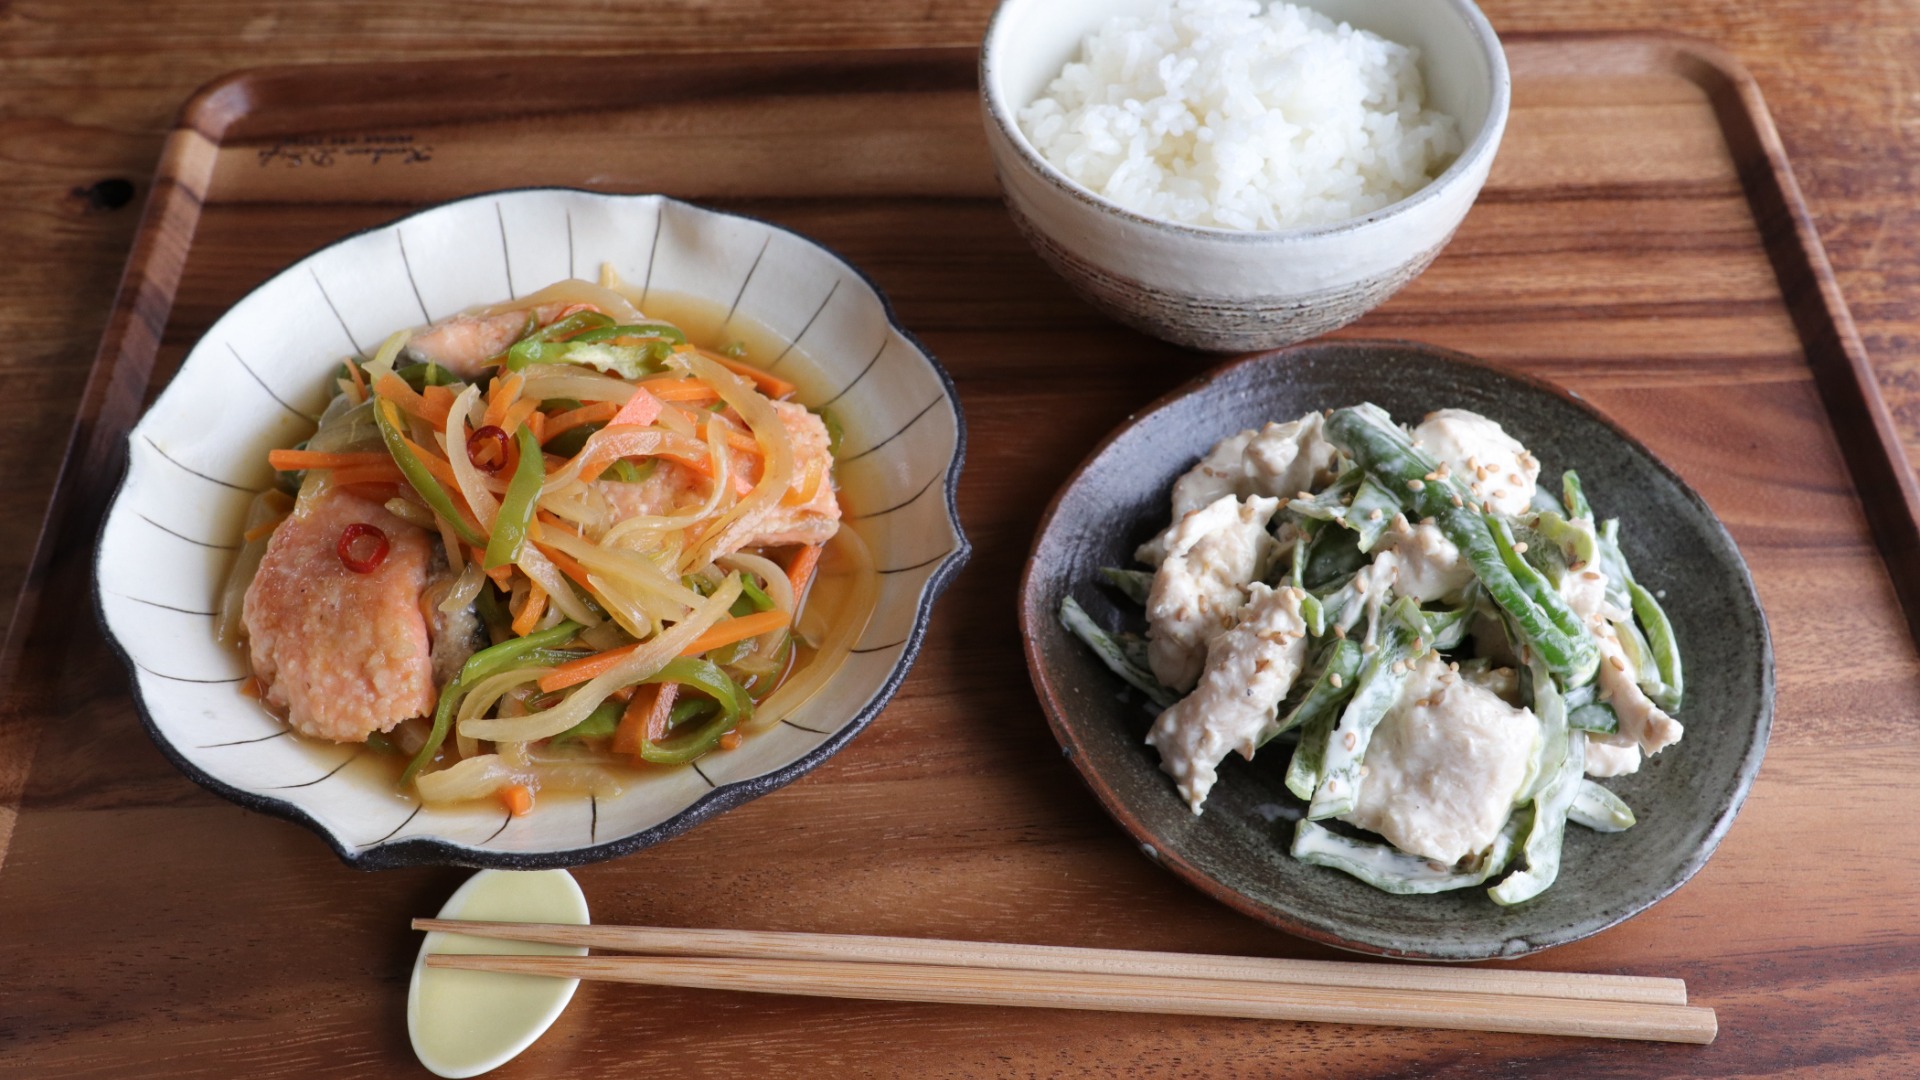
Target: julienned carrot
(261, 529)
(640, 410)
(501, 394)
(530, 613)
(517, 414)
(386, 473)
(518, 798)
(395, 389)
(567, 566)
(359, 382)
(585, 414)
(575, 672)
(296, 460)
(800, 574)
(436, 465)
(740, 440)
(647, 711)
(732, 630)
(770, 385)
(439, 401)
(681, 390)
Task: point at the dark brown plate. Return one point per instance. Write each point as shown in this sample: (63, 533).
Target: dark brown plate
(1236, 852)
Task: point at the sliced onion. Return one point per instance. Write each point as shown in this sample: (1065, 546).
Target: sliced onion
(845, 628)
(571, 291)
(778, 587)
(465, 588)
(474, 778)
(653, 582)
(487, 693)
(625, 440)
(776, 473)
(548, 381)
(559, 593)
(473, 484)
(645, 661)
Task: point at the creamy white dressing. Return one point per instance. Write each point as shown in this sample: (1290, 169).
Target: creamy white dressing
(1445, 766)
(1213, 554)
(1249, 670)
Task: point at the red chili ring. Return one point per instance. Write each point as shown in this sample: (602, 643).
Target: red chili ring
(355, 532)
(480, 440)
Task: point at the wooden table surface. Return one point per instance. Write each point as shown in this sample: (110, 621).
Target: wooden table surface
(87, 92)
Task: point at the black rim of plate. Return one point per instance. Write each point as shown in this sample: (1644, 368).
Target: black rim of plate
(386, 853)
(1171, 858)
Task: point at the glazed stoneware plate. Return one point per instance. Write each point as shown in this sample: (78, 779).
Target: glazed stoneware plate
(1237, 851)
(259, 376)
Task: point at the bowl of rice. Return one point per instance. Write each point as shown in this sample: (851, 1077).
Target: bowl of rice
(1233, 175)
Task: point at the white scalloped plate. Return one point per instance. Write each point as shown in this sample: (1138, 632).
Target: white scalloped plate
(257, 377)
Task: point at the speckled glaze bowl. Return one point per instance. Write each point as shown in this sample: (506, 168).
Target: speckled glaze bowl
(258, 376)
(1226, 290)
(1237, 852)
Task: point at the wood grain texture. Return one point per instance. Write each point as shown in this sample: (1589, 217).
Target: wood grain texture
(1614, 251)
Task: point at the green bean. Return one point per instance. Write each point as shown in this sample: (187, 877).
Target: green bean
(1113, 654)
(1334, 685)
(1599, 809)
(1391, 870)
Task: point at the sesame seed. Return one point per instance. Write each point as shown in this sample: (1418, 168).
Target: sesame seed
(1419, 644)
(1334, 680)
(1303, 496)
(1340, 632)
(1457, 500)
(1520, 548)
(1453, 665)
(1416, 485)
(1332, 786)
(1578, 566)
(1399, 667)
(1351, 740)
(1591, 575)
(1369, 648)
(1499, 493)
(1434, 475)
(1423, 703)
(1618, 664)
(1374, 514)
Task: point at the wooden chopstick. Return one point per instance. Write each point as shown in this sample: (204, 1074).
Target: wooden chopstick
(1123, 993)
(776, 945)
(992, 973)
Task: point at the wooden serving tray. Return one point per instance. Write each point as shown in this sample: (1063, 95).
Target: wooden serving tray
(1641, 242)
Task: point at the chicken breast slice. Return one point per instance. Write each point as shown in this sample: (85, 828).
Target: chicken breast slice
(1249, 670)
(1213, 554)
(1445, 766)
(1499, 471)
(1279, 460)
(344, 654)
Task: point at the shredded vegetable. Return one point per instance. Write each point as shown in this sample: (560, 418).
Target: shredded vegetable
(630, 525)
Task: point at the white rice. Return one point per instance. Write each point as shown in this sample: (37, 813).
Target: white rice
(1217, 113)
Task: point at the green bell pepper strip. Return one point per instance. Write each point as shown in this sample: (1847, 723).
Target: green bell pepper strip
(516, 508)
(1133, 584)
(1370, 437)
(1113, 653)
(386, 417)
(1661, 642)
(484, 664)
(601, 723)
(1391, 870)
(1574, 497)
(629, 361)
(1599, 809)
(704, 676)
(641, 330)
(1334, 685)
(1381, 677)
(755, 598)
